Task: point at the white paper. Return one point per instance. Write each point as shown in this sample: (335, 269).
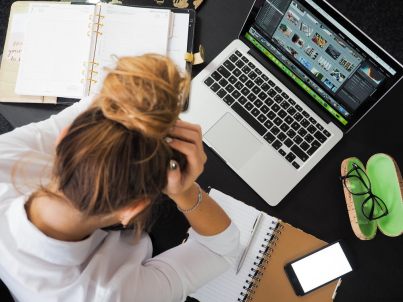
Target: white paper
(177, 45)
(128, 32)
(16, 37)
(55, 47)
(228, 286)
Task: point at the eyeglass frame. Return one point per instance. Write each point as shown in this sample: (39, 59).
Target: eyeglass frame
(369, 191)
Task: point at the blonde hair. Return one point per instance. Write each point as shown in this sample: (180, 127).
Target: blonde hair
(144, 93)
(114, 153)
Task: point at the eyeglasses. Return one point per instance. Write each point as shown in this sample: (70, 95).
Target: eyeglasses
(373, 207)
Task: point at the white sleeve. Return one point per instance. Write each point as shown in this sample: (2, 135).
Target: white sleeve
(36, 140)
(182, 270)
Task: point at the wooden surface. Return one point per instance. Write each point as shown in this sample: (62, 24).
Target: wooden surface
(316, 205)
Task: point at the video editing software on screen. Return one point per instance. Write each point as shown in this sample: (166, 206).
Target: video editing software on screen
(322, 61)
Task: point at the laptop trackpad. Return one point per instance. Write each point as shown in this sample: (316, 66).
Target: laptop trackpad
(233, 140)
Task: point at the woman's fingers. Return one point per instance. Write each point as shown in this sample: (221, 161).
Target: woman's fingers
(186, 125)
(184, 134)
(187, 139)
(194, 157)
(190, 133)
(189, 136)
(186, 131)
(174, 179)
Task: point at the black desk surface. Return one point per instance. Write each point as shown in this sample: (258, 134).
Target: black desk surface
(316, 205)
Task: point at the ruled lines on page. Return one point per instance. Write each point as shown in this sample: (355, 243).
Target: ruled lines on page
(55, 47)
(228, 286)
(127, 32)
(177, 45)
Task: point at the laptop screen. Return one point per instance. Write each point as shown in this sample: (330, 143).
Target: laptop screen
(337, 66)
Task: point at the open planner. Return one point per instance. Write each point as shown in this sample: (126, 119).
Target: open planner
(68, 48)
(262, 276)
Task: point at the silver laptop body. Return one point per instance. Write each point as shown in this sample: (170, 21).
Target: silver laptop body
(271, 162)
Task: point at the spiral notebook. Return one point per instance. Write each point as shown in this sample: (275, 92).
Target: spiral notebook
(66, 47)
(262, 276)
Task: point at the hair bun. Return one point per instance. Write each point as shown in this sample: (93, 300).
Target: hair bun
(145, 94)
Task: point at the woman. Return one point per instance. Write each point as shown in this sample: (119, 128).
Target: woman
(101, 162)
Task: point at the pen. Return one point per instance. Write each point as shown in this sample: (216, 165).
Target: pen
(245, 252)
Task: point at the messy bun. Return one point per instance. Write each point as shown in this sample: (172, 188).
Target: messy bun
(114, 154)
(144, 93)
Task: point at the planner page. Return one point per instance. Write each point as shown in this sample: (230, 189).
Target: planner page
(227, 287)
(178, 43)
(13, 47)
(129, 31)
(56, 45)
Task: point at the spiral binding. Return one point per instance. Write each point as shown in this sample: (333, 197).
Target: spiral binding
(98, 15)
(94, 63)
(92, 80)
(91, 70)
(92, 23)
(260, 265)
(94, 31)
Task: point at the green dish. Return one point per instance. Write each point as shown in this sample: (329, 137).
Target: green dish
(384, 174)
(386, 181)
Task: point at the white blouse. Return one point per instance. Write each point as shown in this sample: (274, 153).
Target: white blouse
(104, 267)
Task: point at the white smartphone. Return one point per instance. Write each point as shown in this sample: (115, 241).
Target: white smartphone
(320, 267)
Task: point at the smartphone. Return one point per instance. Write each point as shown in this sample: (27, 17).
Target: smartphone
(320, 267)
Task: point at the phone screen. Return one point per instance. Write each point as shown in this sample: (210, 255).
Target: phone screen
(321, 267)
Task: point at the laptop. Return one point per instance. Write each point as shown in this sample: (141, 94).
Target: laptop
(276, 100)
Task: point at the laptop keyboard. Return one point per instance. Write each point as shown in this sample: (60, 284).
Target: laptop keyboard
(284, 124)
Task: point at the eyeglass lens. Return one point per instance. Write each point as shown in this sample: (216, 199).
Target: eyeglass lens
(359, 184)
(359, 181)
(374, 208)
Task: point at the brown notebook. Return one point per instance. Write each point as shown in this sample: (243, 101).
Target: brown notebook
(262, 277)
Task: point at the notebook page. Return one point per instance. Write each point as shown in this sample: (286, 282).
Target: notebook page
(129, 31)
(178, 44)
(55, 46)
(227, 287)
(10, 63)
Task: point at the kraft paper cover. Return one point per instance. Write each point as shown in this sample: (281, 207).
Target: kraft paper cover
(274, 285)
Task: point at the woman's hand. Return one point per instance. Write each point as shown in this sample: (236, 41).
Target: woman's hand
(187, 139)
(205, 216)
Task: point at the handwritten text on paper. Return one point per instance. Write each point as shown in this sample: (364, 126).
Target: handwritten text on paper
(16, 37)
